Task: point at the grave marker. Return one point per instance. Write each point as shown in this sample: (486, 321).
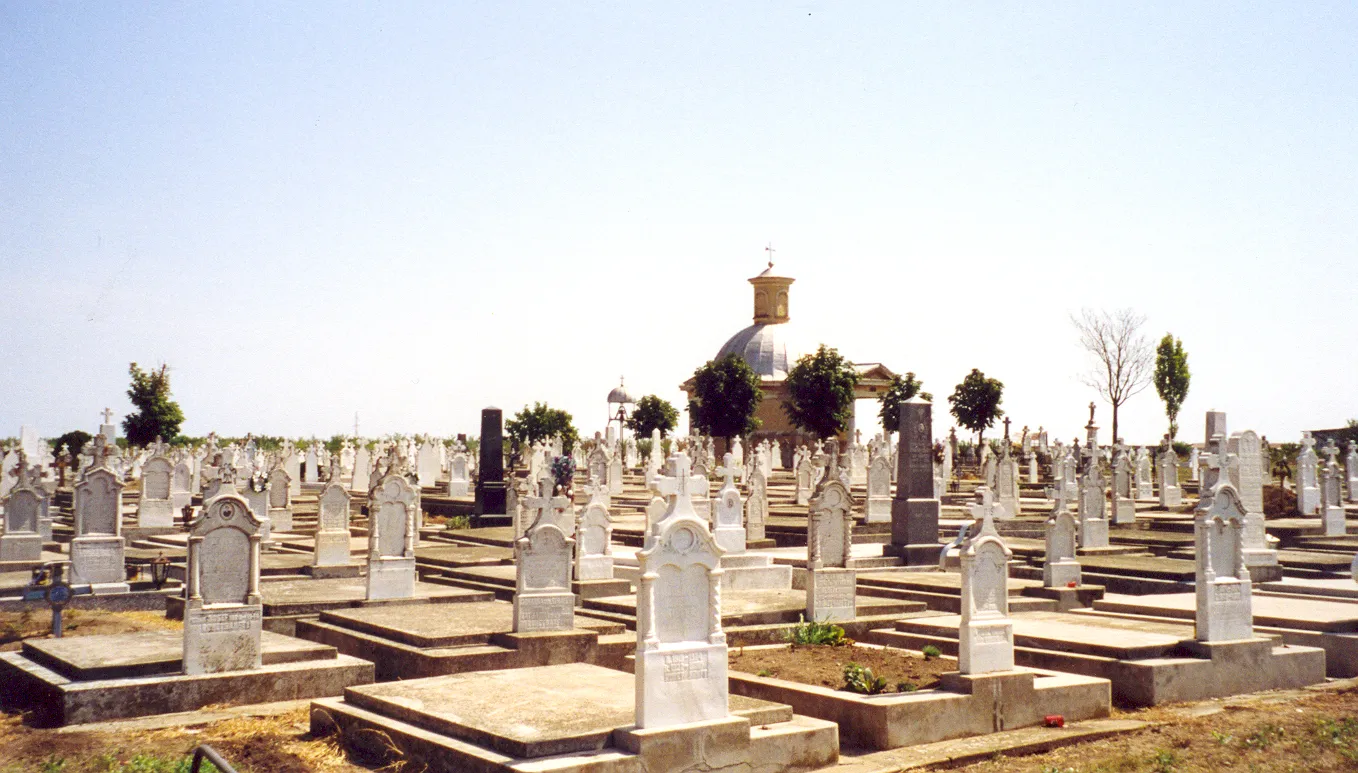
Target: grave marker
(223, 615)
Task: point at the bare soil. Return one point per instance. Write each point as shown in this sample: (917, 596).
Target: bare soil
(36, 623)
(824, 665)
(1280, 503)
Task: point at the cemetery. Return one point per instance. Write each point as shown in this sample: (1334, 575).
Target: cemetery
(642, 388)
(613, 604)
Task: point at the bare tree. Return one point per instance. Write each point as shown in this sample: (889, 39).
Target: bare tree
(1124, 357)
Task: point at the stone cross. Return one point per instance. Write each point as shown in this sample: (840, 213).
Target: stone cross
(682, 484)
(1006, 428)
(1332, 451)
(984, 511)
(729, 471)
(108, 415)
(546, 504)
(1091, 411)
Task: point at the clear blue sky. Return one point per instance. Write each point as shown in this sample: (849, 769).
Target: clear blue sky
(413, 211)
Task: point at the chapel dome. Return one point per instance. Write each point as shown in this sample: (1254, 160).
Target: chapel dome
(620, 395)
(769, 349)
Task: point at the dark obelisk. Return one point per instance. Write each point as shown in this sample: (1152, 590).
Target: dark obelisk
(490, 479)
(914, 511)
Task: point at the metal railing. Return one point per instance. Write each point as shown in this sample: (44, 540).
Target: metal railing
(205, 752)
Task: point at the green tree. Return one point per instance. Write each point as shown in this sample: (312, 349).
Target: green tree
(820, 390)
(73, 440)
(976, 402)
(653, 413)
(726, 395)
(1171, 378)
(156, 415)
(541, 422)
(902, 388)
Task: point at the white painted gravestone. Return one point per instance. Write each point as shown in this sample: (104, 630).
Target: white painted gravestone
(313, 464)
(256, 493)
(1124, 505)
(23, 507)
(362, 470)
(681, 648)
(1351, 473)
(986, 635)
(756, 505)
(181, 485)
(427, 464)
(549, 508)
(1331, 499)
(729, 531)
(459, 475)
(97, 549)
(805, 470)
(543, 600)
(1007, 484)
(155, 507)
(391, 539)
(223, 615)
(1308, 483)
(830, 584)
(1170, 493)
(1143, 474)
(594, 543)
(1060, 568)
(879, 489)
(280, 501)
(1222, 580)
(1247, 475)
(1093, 521)
(332, 528)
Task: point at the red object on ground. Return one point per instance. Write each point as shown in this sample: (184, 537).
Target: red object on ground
(1054, 720)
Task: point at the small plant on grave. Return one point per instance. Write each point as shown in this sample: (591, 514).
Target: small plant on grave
(1340, 735)
(817, 634)
(906, 687)
(458, 522)
(930, 652)
(1264, 737)
(764, 672)
(1222, 738)
(1164, 761)
(861, 680)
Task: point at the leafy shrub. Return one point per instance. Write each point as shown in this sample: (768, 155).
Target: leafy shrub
(818, 634)
(930, 652)
(458, 522)
(861, 680)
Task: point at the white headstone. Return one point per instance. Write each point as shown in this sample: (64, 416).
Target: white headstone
(332, 527)
(1060, 568)
(391, 539)
(1222, 580)
(594, 543)
(223, 615)
(830, 584)
(879, 489)
(97, 549)
(681, 648)
(985, 635)
(1308, 482)
(156, 506)
(729, 530)
(543, 600)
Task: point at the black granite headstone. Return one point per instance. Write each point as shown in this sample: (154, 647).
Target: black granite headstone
(490, 479)
(914, 511)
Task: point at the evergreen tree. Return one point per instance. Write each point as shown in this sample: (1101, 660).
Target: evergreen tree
(820, 392)
(726, 394)
(156, 415)
(1171, 378)
(976, 402)
(653, 413)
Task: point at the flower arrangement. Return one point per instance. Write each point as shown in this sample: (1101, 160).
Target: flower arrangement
(563, 471)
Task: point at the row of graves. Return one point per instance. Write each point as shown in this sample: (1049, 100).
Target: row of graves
(591, 630)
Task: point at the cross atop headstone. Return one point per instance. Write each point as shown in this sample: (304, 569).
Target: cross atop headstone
(1332, 451)
(545, 504)
(832, 462)
(1308, 443)
(681, 485)
(108, 415)
(1091, 412)
(1006, 428)
(984, 510)
(729, 471)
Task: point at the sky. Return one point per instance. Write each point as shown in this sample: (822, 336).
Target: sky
(411, 211)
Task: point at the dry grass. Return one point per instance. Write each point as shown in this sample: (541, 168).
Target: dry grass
(36, 623)
(1317, 732)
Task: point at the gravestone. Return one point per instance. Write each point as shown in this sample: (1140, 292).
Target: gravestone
(1194, 462)
(1351, 473)
(879, 489)
(97, 549)
(459, 476)
(313, 464)
(830, 584)
(805, 471)
(1143, 474)
(362, 470)
(156, 505)
(728, 530)
(681, 649)
(332, 527)
(1168, 468)
(1007, 484)
(223, 615)
(181, 485)
(1331, 495)
(427, 465)
(391, 539)
(280, 501)
(1124, 506)
(1247, 475)
(1060, 568)
(654, 512)
(543, 600)
(1222, 579)
(1093, 519)
(985, 635)
(914, 511)
(756, 505)
(1308, 482)
(594, 543)
(23, 508)
(597, 463)
(615, 472)
(547, 508)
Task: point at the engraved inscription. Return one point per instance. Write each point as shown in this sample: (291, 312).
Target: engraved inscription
(685, 666)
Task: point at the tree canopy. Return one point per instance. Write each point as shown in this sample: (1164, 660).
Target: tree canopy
(541, 422)
(73, 440)
(976, 402)
(900, 389)
(820, 389)
(726, 394)
(156, 415)
(1171, 378)
(653, 413)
